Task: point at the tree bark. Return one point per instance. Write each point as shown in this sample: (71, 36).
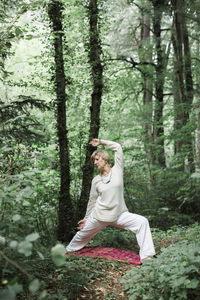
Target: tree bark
(146, 56)
(184, 90)
(159, 84)
(97, 83)
(65, 216)
(197, 112)
(197, 138)
(189, 87)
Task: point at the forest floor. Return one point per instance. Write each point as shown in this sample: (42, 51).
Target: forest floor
(88, 278)
(104, 283)
(108, 286)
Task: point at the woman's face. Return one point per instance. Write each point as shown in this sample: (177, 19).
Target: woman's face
(99, 163)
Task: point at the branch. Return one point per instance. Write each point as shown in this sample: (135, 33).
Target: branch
(195, 58)
(134, 64)
(12, 23)
(168, 94)
(15, 264)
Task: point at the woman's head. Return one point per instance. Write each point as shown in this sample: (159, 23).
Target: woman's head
(100, 155)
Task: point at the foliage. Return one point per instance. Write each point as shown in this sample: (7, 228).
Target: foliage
(65, 278)
(28, 189)
(172, 200)
(76, 272)
(179, 232)
(15, 276)
(115, 237)
(19, 123)
(174, 274)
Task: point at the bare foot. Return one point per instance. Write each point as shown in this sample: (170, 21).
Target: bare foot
(146, 258)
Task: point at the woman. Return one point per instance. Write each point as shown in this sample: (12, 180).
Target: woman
(106, 204)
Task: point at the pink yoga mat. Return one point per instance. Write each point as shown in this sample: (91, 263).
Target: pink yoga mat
(109, 254)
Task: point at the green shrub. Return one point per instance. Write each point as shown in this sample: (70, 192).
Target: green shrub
(175, 274)
(15, 277)
(171, 199)
(190, 233)
(116, 238)
(71, 273)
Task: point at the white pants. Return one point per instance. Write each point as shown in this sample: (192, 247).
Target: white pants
(133, 222)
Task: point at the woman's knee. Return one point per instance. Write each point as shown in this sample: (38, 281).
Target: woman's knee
(144, 221)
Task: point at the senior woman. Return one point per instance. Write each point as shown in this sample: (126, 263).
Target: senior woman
(106, 205)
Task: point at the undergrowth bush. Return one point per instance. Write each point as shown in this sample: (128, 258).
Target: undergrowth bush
(73, 273)
(15, 255)
(175, 274)
(172, 198)
(190, 233)
(28, 276)
(115, 237)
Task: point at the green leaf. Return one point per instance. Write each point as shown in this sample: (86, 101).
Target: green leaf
(7, 294)
(164, 208)
(34, 286)
(195, 175)
(43, 295)
(13, 244)
(18, 31)
(58, 254)
(27, 191)
(194, 283)
(25, 248)
(29, 37)
(40, 255)
(16, 287)
(32, 237)
(2, 240)
(16, 218)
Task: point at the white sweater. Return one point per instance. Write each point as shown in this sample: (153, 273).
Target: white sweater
(106, 202)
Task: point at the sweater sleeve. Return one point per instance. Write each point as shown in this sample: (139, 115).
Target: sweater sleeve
(119, 160)
(92, 199)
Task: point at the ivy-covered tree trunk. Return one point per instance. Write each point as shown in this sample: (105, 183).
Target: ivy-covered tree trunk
(158, 7)
(197, 137)
(197, 117)
(146, 57)
(184, 87)
(65, 216)
(97, 81)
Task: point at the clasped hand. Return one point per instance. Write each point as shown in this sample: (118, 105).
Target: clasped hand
(94, 142)
(81, 224)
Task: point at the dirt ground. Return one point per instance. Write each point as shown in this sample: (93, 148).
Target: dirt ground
(107, 287)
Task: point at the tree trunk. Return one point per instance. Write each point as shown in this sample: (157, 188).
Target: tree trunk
(184, 95)
(159, 85)
(65, 217)
(97, 81)
(189, 88)
(197, 115)
(146, 56)
(197, 138)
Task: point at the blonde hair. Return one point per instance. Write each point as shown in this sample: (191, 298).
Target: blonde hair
(101, 153)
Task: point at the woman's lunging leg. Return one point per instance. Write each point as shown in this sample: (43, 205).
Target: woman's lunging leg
(140, 226)
(82, 237)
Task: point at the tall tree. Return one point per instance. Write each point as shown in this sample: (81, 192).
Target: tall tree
(146, 59)
(184, 89)
(160, 67)
(65, 217)
(97, 83)
(197, 101)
